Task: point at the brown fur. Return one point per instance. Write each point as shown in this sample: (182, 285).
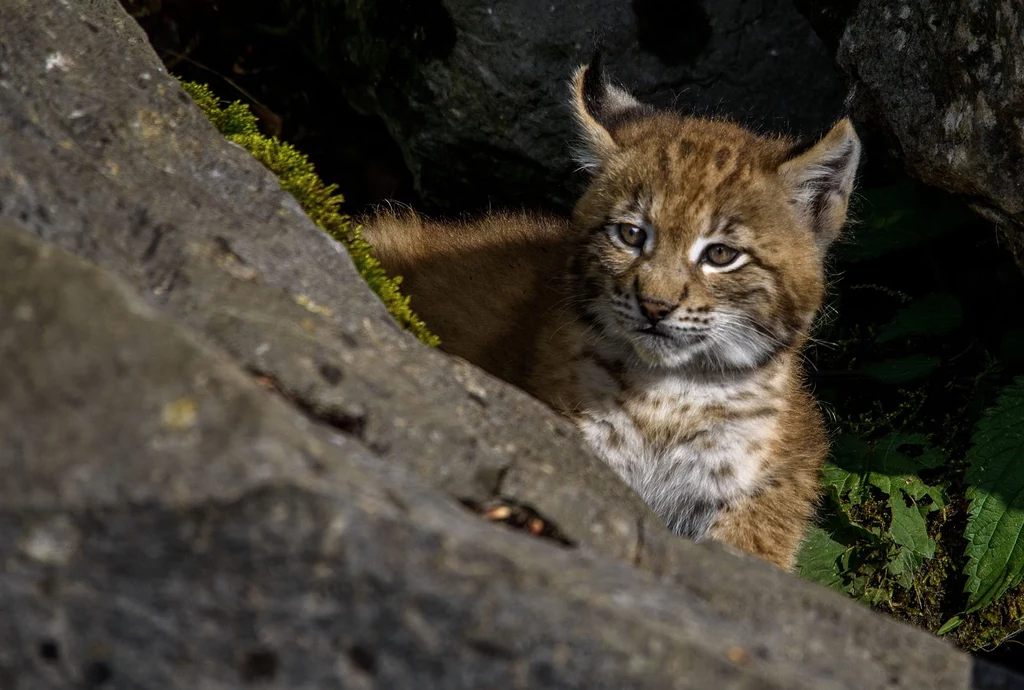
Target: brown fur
(481, 286)
(554, 307)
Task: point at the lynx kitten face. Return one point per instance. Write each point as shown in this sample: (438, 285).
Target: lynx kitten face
(666, 320)
(704, 241)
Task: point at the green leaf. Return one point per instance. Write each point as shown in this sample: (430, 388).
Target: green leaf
(885, 466)
(843, 472)
(908, 527)
(892, 469)
(889, 485)
(873, 596)
(925, 456)
(950, 625)
(930, 458)
(891, 465)
(904, 565)
(909, 532)
(931, 315)
(818, 559)
(840, 480)
(913, 486)
(995, 521)
(919, 490)
(886, 484)
(902, 370)
(888, 460)
(837, 522)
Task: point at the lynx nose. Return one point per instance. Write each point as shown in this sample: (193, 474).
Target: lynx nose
(655, 310)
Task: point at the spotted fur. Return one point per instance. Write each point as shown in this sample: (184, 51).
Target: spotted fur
(668, 318)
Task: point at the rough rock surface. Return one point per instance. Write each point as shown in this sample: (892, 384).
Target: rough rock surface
(943, 81)
(474, 91)
(126, 172)
(223, 465)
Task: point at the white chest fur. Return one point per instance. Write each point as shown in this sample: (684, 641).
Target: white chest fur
(688, 447)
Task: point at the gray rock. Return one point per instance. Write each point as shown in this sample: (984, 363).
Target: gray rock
(166, 523)
(207, 534)
(474, 91)
(224, 465)
(942, 80)
(120, 168)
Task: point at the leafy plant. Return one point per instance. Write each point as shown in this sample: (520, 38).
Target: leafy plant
(320, 201)
(878, 507)
(923, 512)
(995, 528)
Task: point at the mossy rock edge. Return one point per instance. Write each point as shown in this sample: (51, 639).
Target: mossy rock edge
(320, 201)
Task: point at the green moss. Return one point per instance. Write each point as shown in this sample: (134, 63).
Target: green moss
(320, 201)
(992, 626)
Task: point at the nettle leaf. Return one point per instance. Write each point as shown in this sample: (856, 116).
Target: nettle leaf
(914, 487)
(873, 596)
(892, 465)
(891, 468)
(908, 528)
(916, 446)
(995, 522)
(836, 521)
(841, 481)
(930, 458)
(931, 315)
(919, 491)
(818, 559)
(902, 370)
(849, 462)
(904, 565)
(835, 548)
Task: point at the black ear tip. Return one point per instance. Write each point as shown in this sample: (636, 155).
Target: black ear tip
(594, 85)
(597, 43)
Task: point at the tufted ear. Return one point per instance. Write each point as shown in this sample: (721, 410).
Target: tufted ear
(820, 176)
(599, 107)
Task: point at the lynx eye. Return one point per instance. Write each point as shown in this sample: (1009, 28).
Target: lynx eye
(720, 255)
(631, 235)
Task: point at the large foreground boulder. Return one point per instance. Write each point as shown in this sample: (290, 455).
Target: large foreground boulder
(942, 81)
(223, 465)
(474, 91)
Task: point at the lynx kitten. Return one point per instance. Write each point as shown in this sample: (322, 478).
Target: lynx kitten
(667, 318)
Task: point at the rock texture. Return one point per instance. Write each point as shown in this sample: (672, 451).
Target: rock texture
(223, 465)
(942, 79)
(474, 91)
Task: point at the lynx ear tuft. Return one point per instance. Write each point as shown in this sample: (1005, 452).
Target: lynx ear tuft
(599, 108)
(820, 177)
